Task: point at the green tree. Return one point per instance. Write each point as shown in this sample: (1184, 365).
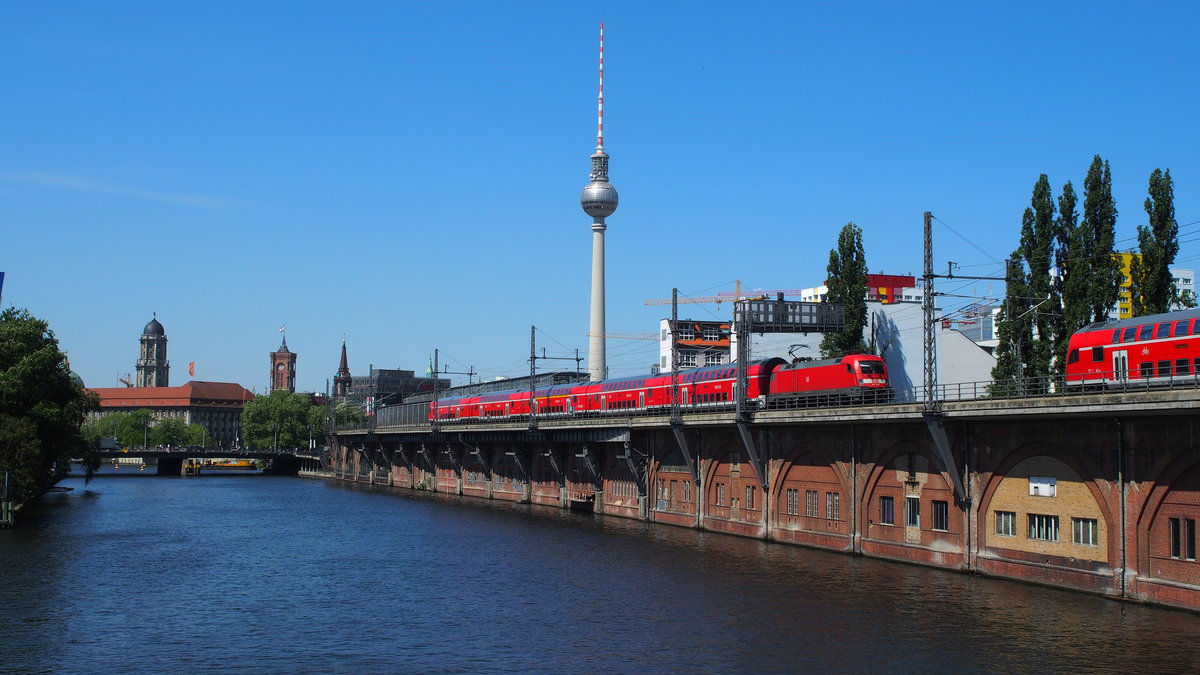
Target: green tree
(169, 431)
(1097, 241)
(1038, 228)
(1152, 289)
(1072, 291)
(279, 420)
(196, 435)
(847, 283)
(347, 414)
(42, 407)
(318, 420)
(1014, 330)
(131, 429)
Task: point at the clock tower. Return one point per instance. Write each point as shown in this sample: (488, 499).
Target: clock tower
(283, 368)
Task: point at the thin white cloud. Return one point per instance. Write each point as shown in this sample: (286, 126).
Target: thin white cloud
(59, 180)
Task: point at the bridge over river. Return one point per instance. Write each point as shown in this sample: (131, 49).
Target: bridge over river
(1092, 491)
(193, 460)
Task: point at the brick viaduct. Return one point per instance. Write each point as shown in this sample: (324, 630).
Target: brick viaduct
(1099, 493)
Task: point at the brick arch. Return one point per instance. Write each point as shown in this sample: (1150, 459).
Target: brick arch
(735, 486)
(885, 460)
(1174, 476)
(810, 466)
(1073, 461)
(803, 450)
(723, 451)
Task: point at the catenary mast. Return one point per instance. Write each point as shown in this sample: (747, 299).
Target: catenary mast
(599, 200)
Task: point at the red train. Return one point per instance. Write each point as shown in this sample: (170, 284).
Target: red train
(770, 382)
(1149, 350)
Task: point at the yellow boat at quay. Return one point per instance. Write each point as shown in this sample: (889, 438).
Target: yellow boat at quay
(231, 464)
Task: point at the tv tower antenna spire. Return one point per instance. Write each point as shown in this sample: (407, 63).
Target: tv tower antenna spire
(600, 99)
(599, 200)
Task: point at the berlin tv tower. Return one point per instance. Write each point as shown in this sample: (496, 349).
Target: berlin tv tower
(599, 200)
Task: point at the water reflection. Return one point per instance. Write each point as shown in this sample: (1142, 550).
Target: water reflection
(282, 574)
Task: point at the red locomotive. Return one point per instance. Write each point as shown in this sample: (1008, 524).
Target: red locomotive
(771, 382)
(1148, 350)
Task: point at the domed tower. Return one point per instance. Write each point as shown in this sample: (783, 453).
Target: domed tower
(153, 370)
(599, 200)
(283, 368)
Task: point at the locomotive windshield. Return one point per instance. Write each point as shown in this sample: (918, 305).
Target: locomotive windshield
(870, 367)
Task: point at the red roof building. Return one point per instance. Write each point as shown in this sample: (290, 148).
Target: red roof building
(217, 406)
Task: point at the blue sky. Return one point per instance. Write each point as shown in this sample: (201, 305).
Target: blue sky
(407, 175)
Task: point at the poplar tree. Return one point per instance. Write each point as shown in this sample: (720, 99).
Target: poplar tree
(1097, 239)
(1037, 247)
(847, 282)
(1014, 330)
(1153, 290)
(1072, 275)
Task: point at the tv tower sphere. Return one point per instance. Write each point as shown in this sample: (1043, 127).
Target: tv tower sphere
(599, 198)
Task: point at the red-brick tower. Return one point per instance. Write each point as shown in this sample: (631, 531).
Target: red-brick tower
(283, 368)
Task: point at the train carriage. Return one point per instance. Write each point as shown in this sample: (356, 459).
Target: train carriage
(854, 377)
(1159, 349)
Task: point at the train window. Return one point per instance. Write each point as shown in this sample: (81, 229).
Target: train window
(1181, 328)
(1164, 330)
(1164, 368)
(1116, 335)
(1196, 365)
(1145, 331)
(1129, 333)
(1183, 367)
(849, 367)
(1196, 327)
(1073, 356)
(1097, 354)
(871, 368)
(1147, 369)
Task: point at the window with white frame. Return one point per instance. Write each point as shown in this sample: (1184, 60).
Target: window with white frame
(1043, 527)
(1183, 538)
(687, 359)
(887, 510)
(1043, 486)
(913, 511)
(811, 507)
(1006, 523)
(685, 332)
(941, 515)
(1084, 531)
(711, 359)
(712, 333)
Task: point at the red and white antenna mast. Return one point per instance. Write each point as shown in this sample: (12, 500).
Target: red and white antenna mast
(600, 100)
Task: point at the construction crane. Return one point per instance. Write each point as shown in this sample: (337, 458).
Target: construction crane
(727, 296)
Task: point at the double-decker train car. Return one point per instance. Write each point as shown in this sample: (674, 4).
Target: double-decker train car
(858, 377)
(1148, 350)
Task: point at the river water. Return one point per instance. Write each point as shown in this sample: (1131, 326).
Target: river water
(274, 574)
